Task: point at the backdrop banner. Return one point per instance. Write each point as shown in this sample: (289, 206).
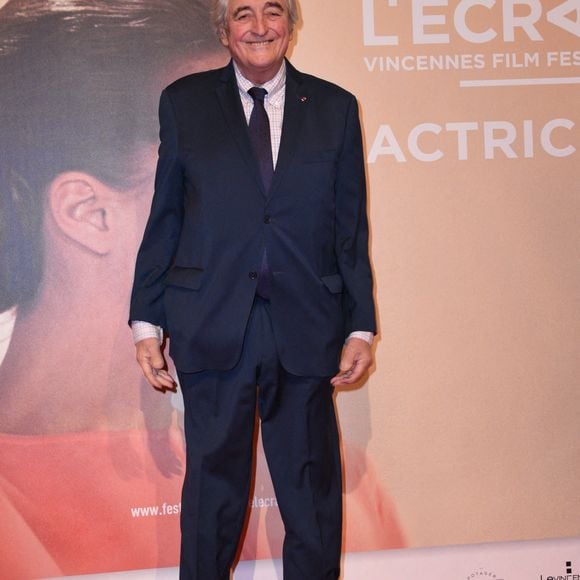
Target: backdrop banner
(465, 431)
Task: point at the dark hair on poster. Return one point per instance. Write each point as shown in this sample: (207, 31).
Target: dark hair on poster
(80, 84)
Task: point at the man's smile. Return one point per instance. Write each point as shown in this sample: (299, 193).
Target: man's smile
(259, 42)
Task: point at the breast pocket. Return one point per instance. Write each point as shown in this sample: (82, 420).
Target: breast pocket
(319, 156)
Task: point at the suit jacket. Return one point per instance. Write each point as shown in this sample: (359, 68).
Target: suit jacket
(210, 220)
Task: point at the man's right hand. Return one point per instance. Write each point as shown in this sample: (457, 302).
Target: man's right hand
(152, 363)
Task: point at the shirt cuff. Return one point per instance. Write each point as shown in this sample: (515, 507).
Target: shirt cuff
(362, 334)
(142, 330)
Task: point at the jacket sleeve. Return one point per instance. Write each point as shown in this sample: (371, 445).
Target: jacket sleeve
(157, 250)
(351, 242)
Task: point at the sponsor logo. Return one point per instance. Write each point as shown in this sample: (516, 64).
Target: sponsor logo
(566, 573)
(483, 574)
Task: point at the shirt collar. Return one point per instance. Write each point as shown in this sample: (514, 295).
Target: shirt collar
(274, 86)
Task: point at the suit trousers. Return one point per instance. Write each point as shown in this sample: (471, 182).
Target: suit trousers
(300, 440)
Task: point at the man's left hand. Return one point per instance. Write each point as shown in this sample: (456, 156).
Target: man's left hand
(355, 360)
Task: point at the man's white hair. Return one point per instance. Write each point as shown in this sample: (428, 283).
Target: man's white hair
(219, 11)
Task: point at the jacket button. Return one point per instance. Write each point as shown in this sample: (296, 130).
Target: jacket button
(253, 275)
(267, 219)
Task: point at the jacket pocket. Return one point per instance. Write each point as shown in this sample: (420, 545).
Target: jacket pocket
(184, 277)
(333, 282)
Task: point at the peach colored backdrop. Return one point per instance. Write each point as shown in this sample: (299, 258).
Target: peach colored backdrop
(472, 411)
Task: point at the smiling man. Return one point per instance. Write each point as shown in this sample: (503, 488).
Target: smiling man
(255, 262)
(257, 38)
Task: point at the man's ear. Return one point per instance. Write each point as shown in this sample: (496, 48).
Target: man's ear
(81, 206)
(223, 36)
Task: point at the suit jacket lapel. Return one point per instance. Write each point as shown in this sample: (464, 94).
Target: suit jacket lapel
(229, 98)
(295, 105)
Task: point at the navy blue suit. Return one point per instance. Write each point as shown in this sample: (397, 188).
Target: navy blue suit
(196, 276)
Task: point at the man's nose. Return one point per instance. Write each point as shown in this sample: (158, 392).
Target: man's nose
(260, 25)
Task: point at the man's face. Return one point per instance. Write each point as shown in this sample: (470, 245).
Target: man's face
(257, 34)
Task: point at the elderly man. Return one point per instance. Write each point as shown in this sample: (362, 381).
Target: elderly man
(255, 262)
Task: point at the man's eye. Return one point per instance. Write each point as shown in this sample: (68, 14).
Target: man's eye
(274, 13)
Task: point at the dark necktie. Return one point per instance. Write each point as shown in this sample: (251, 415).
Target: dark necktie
(260, 136)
